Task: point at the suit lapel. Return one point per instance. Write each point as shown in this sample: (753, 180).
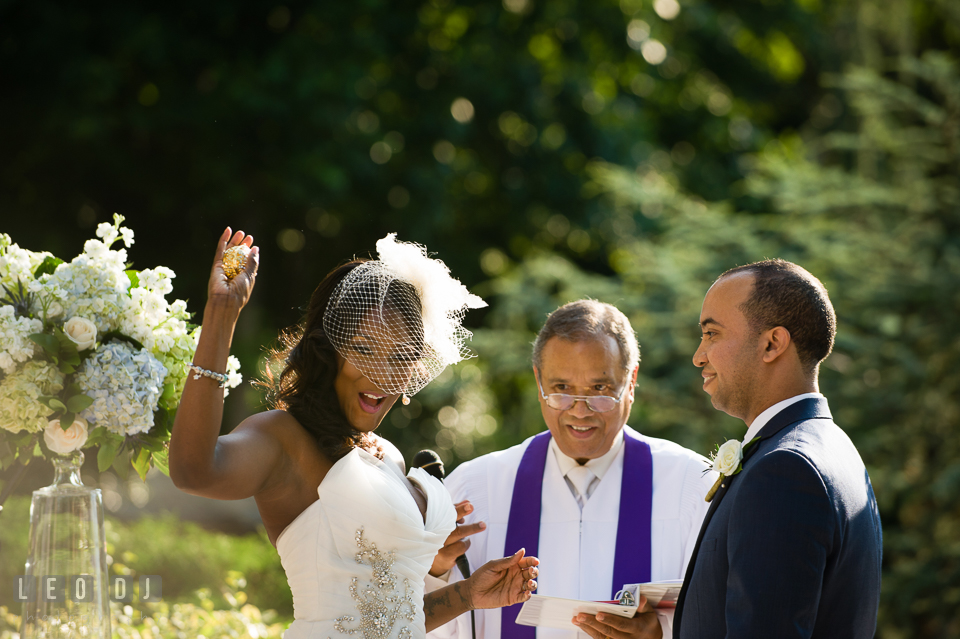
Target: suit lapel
(812, 408)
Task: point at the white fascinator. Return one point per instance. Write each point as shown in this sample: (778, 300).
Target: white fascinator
(398, 318)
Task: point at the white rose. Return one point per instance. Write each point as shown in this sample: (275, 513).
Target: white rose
(728, 457)
(81, 332)
(65, 441)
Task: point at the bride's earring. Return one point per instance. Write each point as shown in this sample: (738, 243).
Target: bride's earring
(405, 400)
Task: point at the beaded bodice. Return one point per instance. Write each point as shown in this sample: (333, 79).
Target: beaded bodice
(356, 558)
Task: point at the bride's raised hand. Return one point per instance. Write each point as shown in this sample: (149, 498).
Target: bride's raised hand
(233, 291)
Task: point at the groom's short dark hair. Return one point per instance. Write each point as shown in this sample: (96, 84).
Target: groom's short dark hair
(787, 295)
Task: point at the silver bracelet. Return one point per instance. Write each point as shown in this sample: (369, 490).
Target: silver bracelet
(219, 377)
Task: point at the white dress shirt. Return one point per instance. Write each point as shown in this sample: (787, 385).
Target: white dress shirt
(598, 466)
(768, 414)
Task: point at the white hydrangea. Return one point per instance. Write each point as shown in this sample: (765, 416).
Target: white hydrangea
(177, 360)
(17, 264)
(110, 232)
(157, 279)
(94, 285)
(233, 375)
(125, 384)
(15, 345)
(20, 408)
(149, 318)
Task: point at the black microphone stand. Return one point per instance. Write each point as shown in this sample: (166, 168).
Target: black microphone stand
(430, 462)
(464, 566)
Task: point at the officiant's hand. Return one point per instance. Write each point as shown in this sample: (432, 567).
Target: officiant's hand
(503, 582)
(643, 625)
(234, 292)
(457, 543)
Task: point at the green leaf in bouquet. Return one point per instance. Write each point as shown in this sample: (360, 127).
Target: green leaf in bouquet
(68, 354)
(107, 454)
(162, 422)
(19, 299)
(23, 440)
(66, 420)
(161, 461)
(68, 349)
(153, 444)
(79, 403)
(134, 277)
(54, 403)
(169, 392)
(37, 452)
(49, 343)
(117, 335)
(8, 455)
(100, 434)
(122, 463)
(47, 266)
(141, 463)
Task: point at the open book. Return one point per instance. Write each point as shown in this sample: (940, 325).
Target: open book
(556, 612)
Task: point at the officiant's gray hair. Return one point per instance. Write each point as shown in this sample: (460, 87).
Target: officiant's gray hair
(586, 320)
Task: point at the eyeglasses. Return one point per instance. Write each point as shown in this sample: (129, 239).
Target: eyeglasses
(596, 403)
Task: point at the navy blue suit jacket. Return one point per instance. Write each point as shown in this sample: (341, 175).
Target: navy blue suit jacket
(790, 546)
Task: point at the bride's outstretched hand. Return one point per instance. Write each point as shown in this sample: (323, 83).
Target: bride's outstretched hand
(233, 291)
(504, 582)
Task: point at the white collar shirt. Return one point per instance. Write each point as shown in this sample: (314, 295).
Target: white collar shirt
(764, 417)
(598, 466)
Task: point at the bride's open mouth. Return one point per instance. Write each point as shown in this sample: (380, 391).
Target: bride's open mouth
(371, 402)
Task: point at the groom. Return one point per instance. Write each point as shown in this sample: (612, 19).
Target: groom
(791, 545)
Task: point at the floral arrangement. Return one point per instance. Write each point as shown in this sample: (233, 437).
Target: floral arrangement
(91, 354)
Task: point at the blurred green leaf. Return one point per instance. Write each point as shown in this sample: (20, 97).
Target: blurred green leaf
(107, 454)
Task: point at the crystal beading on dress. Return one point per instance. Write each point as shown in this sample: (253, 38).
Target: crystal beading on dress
(380, 604)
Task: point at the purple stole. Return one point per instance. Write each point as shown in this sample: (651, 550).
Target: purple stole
(632, 554)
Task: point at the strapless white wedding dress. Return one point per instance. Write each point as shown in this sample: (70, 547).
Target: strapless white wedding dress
(356, 558)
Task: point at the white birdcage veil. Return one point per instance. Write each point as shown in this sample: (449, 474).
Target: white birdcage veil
(398, 318)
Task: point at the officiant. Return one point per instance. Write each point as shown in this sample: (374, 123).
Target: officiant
(599, 503)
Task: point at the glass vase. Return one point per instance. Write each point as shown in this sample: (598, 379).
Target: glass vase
(65, 580)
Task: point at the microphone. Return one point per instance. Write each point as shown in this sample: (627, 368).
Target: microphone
(431, 462)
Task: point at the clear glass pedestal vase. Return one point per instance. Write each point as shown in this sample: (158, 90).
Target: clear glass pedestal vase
(65, 580)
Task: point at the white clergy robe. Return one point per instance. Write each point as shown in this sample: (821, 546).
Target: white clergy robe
(577, 547)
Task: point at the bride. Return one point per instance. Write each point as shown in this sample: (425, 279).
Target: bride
(355, 534)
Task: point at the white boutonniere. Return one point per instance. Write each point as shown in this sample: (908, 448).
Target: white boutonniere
(727, 460)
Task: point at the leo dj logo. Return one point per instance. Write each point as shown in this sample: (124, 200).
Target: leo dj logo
(83, 588)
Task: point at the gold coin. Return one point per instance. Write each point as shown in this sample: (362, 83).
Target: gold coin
(235, 260)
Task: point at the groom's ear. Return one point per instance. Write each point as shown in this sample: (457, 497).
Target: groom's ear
(775, 342)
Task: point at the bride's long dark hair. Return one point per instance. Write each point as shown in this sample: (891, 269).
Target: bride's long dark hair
(305, 386)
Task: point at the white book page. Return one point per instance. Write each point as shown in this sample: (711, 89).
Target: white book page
(556, 612)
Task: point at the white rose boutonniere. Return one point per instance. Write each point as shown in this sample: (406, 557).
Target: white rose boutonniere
(728, 461)
(81, 332)
(62, 441)
(728, 457)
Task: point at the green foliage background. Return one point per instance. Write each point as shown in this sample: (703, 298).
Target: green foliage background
(584, 165)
